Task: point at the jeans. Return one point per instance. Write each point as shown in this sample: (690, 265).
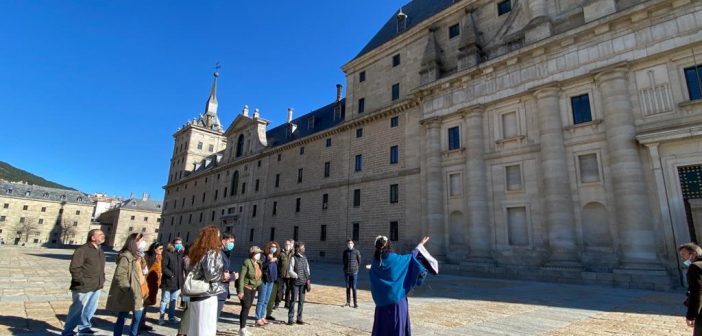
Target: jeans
(351, 283)
(273, 300)
(264, 294)
(134, 329)
(297, 295)
(81, 311)
(168, 298)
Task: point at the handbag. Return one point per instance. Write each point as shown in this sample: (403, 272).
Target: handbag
(308, 285)
(193, 286)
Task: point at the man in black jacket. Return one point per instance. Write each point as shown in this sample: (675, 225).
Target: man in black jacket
(172, 279)
(352, 261)
(87, 279)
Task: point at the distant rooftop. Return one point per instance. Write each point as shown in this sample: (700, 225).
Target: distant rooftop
(42, 193)
(141, 204)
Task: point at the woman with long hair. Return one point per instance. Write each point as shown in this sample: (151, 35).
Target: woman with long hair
(392, 277)
(126, 293)
(270, 277)
(153, 279)
(206, 264)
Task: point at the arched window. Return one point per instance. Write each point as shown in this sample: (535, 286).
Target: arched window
(240, 146)
(235, 183)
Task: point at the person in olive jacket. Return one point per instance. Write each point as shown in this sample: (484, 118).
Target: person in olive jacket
(249, 281)
(125, 292)
(87, 279)
(171, 280)
(690, 254)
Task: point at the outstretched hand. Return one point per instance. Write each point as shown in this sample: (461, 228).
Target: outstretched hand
(424, 240)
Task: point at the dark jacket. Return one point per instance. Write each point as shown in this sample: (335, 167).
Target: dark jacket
(226, 255)
(694, 290)
(172, 271)
(352, 261)
(247, 275)
(284, 263)
(87, 269)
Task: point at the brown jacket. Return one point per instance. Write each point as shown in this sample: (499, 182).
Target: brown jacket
(153, 279)
(87, 269)
(125, 291)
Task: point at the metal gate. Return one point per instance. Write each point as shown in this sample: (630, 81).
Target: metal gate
(691, 186)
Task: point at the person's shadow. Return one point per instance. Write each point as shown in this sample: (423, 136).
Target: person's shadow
(19, 325)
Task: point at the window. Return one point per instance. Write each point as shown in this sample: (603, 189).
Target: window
(256, 187)
(361, 105)
(328, 144)
(199, 145)
(356, 233)
(396, 91)
(240, 146)
(296, 231)
(251, 235)
(359, 132)
(302, 150)
(60, 211)
(454, 31)
(277, 180)
(297, 204)
(258, 164)
(210, 148)
(310, 123)
(589, 169)
(394, 193)
(6, 206)
(272, 236)
(454, 138)
(396, 60)
(362, 76)
(2, 218)
(243, 188)
(394, 121)
(504, 7)
(513, 178)
(323, 233)
(327, 168)
(142, 229)
(25, 207)
(275, 208)
(325, 201)
(359, 163)
(356, 198)
(299, 175)
(41, 220)
(280, 156)
(394, 231)
(581, 109)
(190, 218)
(77, 212)
(213, 216)
(394, 154)
(131, 228)
(216, 194)
(146, 219)
(693, 77)
(235, 183)
(253, 211)
(132, 217)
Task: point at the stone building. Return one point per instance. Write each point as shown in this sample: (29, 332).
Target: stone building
(131, 215)
(552, 140)
(33, 215)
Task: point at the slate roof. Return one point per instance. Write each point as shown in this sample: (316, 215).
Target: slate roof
(417, 11)
(323, 120)
(43, 193)
(140, 204)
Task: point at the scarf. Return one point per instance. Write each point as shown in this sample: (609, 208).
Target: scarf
(393, 277)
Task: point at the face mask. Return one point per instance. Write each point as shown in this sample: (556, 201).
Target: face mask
(230, 246)
(288, 247)
(142, 246)
(178, 247)
(257, 257)
(687, 262)
(350, 246)
(273, 249)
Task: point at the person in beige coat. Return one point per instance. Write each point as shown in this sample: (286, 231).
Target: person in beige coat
(126, 293)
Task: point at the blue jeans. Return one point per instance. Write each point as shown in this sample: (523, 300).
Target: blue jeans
(351, 283)
(81, 311)
(136, 319)
(264, 294)
(168, 298)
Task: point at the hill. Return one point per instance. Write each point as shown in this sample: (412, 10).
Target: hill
(13, 174)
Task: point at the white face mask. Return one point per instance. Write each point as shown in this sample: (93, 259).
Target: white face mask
(257, 257)
(288, 247)
(687, 262)
(142, 246)
(350, 246)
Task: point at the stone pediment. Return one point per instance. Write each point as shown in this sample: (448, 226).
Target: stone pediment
(239, 124)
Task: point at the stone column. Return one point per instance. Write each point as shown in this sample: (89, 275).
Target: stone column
(631, 204)
(479, 237)
(435, 188)
(558, 201)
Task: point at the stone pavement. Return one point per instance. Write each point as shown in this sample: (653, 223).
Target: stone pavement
(34, 300)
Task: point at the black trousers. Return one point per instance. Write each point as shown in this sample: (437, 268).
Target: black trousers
(246, 306)
(297, 295)
(287, 290)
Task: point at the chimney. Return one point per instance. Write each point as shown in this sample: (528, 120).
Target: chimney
(256, 114)
(145, 197)
(245, 111)
(290, 112)
(338, 92)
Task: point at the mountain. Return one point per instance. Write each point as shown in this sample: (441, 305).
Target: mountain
(14, 174)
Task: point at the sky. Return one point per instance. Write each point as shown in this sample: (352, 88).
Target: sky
(91, 92)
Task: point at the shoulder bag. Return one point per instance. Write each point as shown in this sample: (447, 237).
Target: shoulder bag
(194, 286)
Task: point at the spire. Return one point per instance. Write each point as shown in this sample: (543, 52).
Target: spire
(210, 120)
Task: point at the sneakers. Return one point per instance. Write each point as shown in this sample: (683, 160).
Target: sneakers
(244, 332)
(355, 305)
(291, 322)
(161, 321)
(300, 322)
(173, 320)
(86, 331)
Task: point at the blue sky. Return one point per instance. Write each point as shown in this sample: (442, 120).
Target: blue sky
(92, 91)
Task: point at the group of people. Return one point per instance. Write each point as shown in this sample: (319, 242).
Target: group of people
(272, 274)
